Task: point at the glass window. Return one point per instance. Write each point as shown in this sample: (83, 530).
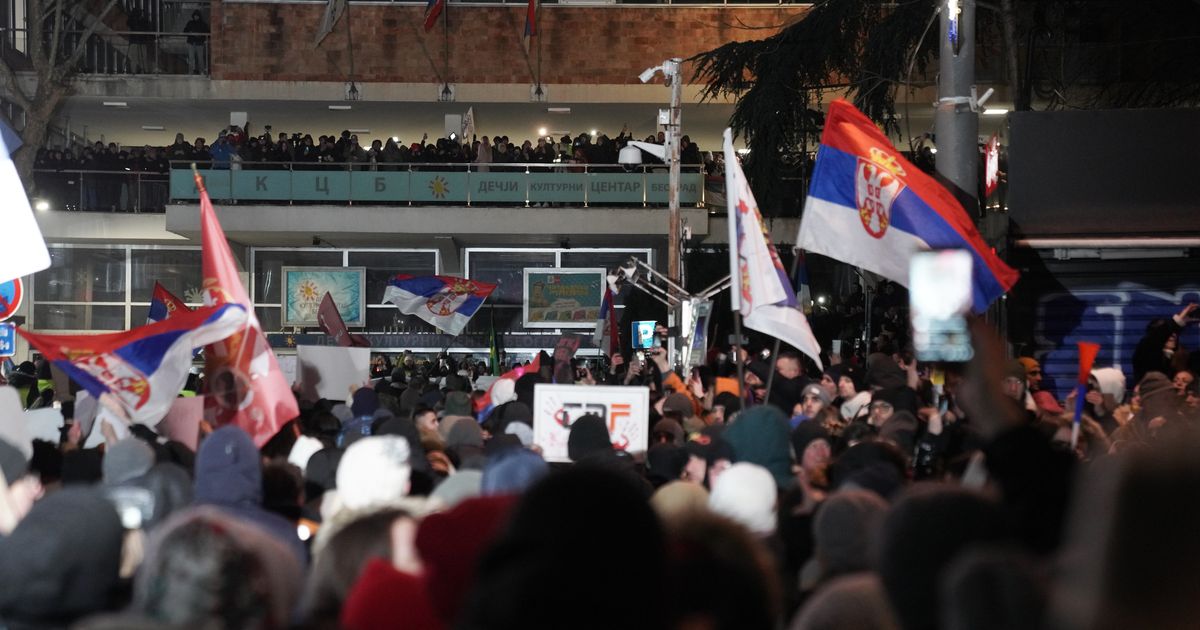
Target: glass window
(78, 317)
(607, 260)
(178, 270)
(78, 274)
(506, 269)
(269, 317)
(390, 319)
(381, 266)
(267, 264)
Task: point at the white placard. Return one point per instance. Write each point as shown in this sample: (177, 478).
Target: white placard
(24, 249)
(104, 415)
(287, 365)
(330, 371)
(44, 424)
(13, 428)
(555, 407)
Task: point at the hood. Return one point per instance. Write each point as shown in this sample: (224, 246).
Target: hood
(1112, 382)
(759, 435)
(228, 470)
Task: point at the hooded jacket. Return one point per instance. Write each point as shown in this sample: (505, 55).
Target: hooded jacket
(229, 476)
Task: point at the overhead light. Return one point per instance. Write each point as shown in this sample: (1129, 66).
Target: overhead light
(340, 108)
(541, 131)
(995, 111)
(359, 130)
(152, 127)
(559, 110)
(116, 104)
(41, 205)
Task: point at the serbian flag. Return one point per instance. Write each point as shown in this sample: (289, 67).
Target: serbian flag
(762, 290)
(991, 165)
(444, 301)
(329, 318)
(1087, 357)
(164, 305)
(871, 208)
(433, 9)
(143, 369)
(530, 23)
(484, 405)
(606, 336)
(244, 384)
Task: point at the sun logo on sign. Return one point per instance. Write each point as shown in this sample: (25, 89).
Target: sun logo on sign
(439, 187)
(307, 291)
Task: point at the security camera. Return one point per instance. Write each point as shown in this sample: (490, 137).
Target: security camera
(648, 74)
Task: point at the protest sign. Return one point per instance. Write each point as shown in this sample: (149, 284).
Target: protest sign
(12, 426)
(44, 424)
(330, 371)
(182, 422)
(624, 411)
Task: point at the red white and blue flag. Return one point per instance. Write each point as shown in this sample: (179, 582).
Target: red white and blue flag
(143, 369)
(164, 305)
(485, 404)
(869, 207)
(762, 290)
(606, 337)
(433, 9)
(446, 302)
(530, 23)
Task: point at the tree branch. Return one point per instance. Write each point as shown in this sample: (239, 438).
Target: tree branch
(67, 68)
(8, 79)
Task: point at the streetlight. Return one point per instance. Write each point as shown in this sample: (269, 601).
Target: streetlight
(669, 118)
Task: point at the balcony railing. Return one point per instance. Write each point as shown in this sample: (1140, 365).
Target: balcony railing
(440, 184)
(102, 191)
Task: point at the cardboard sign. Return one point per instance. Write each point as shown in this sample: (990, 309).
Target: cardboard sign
(556, 407)
(330, 371)
(44, 424)
(182, 422)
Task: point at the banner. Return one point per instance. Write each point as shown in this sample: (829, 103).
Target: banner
(563, 298)
(305, 287)
(556, 407)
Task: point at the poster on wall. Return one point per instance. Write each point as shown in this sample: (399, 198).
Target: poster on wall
(563, 298)
(305, 287)
(556, 407)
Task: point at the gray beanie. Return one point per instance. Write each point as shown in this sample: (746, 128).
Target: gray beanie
(846, 529)
(127, 459)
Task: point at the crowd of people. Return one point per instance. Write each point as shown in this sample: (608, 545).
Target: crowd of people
(878, 493)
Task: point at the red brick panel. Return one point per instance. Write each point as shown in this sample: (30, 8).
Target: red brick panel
(580, 45)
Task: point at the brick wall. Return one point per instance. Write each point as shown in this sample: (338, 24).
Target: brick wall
(577, 45)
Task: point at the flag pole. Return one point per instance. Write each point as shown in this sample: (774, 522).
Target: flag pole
(775, 350)
(737, 356)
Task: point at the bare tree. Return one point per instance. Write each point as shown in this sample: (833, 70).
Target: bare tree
(41, 79)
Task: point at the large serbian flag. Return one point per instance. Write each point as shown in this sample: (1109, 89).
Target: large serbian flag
(164, 305)
(244, 384)
(142, 369)
(444, 301)
(870, 207)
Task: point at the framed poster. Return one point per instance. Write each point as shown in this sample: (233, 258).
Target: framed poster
(562, 298)
(556, 407)
(305, 287)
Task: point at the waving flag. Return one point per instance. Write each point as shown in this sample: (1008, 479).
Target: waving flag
(244, 383)
(606, 336)
(761, 288)
(145, 368)
(433, 9)
(1087, 357)
(484, 405)
(329, 318)
(444, 301)
(164, 305)
(530, 24)
(870, 207)
(991, 165)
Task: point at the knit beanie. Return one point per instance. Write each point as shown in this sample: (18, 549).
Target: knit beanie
(813, 389)
(365, 402)
(125, 460)
(385, 599)
(805, 433)
(458, 487)
(450, 544)
(746, 493)
(458, 404)
(304, 448)
(678, 499)
(668, 427)
(588, 438)
(846, 529)
(679, 403)
(759, 435)
(512, 471)
(374, 471)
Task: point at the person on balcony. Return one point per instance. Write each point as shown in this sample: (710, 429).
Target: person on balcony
(197, 42)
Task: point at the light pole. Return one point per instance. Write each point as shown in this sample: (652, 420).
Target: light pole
(670, 118)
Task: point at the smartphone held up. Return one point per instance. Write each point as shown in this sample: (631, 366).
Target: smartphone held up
(940, 298)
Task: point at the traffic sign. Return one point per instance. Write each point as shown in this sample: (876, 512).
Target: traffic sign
(8, 340)
(11, 294)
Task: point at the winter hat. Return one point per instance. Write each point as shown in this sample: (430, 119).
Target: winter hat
(883, 373)
(321, 470)
(385, 599)
(759, 435)
(1153, 385)
(397, 376)
(456, 383)
(876, 466)
(458, 487)
(588, 438)
(406, 429)
(461, 432)
(62, 560)
(679, 499)
(665, 463)
(1015, 369)
(304, 448)
(523, 431)
(669, 427)
(851, 601)
(503, 390)
(512, 472)
(482, 383)
(125, 460)
(901, 430)
(813, 389)
(747, 494)
(1030, 364)
(451, 542)
(1112, 382)
(365, 402)
(680, 403)
(852, 407)
(431, 398)
(710, 446)
(845, 531)
(458, 404)
(805, 433)
(374, 471)
(852, 372)
(12, 462)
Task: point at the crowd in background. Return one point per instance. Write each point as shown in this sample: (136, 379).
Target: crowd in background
(877, 493)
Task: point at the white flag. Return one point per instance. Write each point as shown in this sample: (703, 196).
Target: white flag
(333, 11)
(761, 288)
(24, 248)
(468, 126)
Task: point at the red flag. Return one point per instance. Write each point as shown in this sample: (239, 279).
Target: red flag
(244, 383)
(164, 305)
(991, 165)
(332, 324)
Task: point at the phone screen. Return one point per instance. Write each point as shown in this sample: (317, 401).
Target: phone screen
(940, 297)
